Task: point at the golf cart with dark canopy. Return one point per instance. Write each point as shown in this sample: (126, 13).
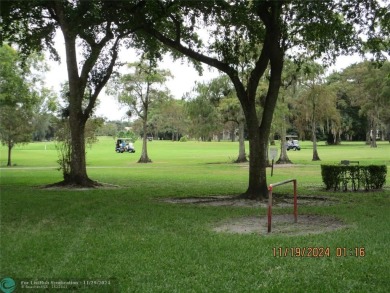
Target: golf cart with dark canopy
(124, 145)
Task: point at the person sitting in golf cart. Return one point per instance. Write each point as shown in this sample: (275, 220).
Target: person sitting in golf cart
(124, 145)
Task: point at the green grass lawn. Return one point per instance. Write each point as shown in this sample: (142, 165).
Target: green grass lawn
(128, 236)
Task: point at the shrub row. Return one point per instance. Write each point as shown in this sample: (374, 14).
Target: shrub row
(356, 177)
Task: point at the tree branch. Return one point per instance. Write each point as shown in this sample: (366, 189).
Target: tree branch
(260, 67)
(177, 27)
(96, 49)
(99, 86)
(224, 67)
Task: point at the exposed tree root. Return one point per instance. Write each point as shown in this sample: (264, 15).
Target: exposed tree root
(70, 184)
(284, 161)
(241, 160)
(251, 196)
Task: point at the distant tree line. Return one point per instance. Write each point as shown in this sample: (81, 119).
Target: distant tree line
(349, 105)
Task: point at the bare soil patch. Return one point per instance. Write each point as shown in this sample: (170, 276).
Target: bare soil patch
(59, 186)
(281, 224)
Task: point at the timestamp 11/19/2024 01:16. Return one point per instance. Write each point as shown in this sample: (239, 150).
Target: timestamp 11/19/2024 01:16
(318, 251)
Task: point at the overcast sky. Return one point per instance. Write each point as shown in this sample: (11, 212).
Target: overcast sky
(184, 77)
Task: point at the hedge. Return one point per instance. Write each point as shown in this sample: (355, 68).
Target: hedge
(338, 177)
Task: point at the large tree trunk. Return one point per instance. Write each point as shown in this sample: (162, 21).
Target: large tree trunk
(78, 168)
(81, 104)
(260, 139)
(241, 143)
(257, 186)
(258, 142)
(259, 132)
(77, 120)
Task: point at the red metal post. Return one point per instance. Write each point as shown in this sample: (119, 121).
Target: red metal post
(270, 201)
(295, 202)
(269, 207)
